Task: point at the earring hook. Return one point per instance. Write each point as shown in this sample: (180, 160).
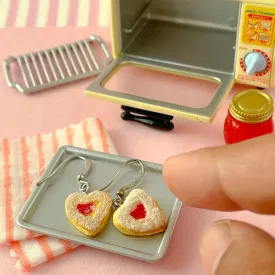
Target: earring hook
(120, 194)
(84, 185)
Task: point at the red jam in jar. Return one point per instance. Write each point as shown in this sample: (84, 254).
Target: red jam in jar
(250, 115)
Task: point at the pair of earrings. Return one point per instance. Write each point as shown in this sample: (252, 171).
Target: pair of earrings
(138, 215)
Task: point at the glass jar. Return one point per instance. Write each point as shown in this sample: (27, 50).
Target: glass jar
(250, 115)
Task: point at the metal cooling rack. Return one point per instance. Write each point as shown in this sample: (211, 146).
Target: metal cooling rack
(53, 67)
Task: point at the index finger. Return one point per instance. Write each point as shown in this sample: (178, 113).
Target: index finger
(227, 178)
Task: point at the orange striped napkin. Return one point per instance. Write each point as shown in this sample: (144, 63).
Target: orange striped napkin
(22, 162)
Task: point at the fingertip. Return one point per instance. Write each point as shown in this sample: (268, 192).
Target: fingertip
(168, 170)
(174, 174)
(192, 178)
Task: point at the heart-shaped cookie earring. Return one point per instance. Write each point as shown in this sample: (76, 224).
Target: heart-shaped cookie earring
(139, 214)
(86, 211)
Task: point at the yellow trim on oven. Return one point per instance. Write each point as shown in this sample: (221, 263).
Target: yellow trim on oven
(114, 28)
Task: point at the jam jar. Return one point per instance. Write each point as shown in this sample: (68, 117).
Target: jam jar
(250, 115)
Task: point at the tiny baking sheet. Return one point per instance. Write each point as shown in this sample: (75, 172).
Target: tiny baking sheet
(44, 211)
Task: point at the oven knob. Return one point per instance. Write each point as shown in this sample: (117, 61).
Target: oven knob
(255, 63)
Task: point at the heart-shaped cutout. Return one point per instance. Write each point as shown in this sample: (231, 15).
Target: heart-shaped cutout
(139, 212)
(86, 208)
(88, 213)
(140, 215)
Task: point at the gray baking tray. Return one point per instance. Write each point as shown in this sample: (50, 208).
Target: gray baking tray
(44, 211)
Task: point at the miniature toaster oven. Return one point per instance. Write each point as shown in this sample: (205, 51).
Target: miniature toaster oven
(226, 42)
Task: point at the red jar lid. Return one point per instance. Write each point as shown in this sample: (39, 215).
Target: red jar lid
(252, 106)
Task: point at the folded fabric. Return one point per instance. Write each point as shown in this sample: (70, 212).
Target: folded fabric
(33, 252)
(22, 162)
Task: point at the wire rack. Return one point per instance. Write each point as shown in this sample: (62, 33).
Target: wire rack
(57, 66)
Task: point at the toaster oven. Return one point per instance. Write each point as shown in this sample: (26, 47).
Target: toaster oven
(226, 42)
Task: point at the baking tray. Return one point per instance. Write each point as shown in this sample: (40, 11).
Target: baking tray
(44, 211)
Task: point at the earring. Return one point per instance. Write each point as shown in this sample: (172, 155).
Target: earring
(87, 211)
(139, 214)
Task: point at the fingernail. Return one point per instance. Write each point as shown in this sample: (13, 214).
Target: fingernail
(214, 242)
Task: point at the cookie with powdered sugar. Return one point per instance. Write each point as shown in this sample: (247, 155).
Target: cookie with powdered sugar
(88, 213)
(140, 215)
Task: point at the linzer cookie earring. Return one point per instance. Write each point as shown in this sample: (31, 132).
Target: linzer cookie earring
(139, 214)
(88, 212)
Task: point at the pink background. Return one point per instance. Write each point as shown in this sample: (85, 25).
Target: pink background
(43, 112)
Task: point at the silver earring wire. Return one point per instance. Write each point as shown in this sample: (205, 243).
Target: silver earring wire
(118, 201)
(84, 185)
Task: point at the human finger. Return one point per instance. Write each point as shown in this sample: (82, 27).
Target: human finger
(231, 247)
(226, 178)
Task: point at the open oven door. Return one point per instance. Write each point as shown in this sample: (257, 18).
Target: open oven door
(97, 90)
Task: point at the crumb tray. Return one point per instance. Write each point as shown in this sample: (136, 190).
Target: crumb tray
(44, 211)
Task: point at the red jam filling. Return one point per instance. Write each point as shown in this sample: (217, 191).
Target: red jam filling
(139, 212)
(86, 209)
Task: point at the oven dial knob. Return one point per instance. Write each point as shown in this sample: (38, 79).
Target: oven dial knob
(255, 63)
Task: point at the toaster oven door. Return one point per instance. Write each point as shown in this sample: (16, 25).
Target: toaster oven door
(225, 83)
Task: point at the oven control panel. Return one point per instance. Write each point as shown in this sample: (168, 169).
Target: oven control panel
(255, 50)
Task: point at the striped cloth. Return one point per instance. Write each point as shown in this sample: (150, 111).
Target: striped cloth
(22, 162)
(53, 13)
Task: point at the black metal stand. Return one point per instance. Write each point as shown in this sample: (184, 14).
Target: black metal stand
(151, 119)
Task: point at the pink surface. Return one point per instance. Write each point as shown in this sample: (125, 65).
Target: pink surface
(26, 115)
